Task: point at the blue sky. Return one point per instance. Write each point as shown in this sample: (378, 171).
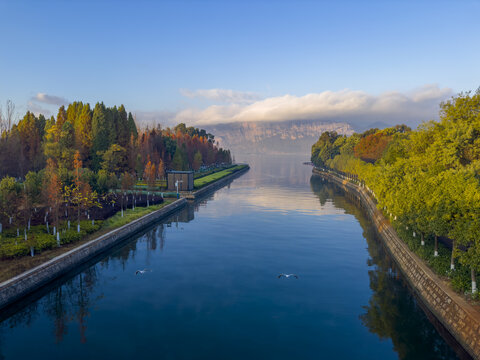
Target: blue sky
(149, 54)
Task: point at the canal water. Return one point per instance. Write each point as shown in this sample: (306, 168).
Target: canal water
(213, 290)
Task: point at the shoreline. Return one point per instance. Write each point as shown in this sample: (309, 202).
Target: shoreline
(31, 280)
(192, 195)
(18, 287)
(460, 318)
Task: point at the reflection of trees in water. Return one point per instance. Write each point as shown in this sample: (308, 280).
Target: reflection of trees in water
(24, 318)
(70, 302)
(392, 311)
(65, 305)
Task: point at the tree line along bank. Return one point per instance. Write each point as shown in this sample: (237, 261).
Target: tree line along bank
(67, 165)
(425, 181)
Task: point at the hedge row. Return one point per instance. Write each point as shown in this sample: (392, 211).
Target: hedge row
(13, 246)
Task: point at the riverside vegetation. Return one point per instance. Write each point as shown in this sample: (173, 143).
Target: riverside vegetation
(425, 181)
(84, 166)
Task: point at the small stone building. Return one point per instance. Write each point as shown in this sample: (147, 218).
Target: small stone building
(184, 178)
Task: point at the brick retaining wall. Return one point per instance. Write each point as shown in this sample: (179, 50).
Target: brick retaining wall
(460, 318)
(31, 280)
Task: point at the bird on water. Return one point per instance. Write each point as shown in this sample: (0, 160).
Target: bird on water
(141, 272)
(287, 276)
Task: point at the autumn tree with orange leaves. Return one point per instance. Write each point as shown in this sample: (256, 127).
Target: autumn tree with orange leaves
(149, 174)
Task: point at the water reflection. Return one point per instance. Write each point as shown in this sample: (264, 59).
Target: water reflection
(213, 291)
(68, 302)
(392, 311)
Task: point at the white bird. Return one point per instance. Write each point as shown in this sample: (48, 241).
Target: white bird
(287, 276)
(141, 272)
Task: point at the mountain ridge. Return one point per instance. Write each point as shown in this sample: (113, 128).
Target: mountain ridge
(283, 137)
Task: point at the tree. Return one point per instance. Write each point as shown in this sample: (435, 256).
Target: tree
(371, 147)
(179, 161)
(132, 126)
(324, 149)
(82, 195)
(150, 174)
(61, 117)
(115, 159)
(66, 145)
(123, 129)
(197, 161)
(9, 195)
(53, 192)
(100, 134)
(161, 169)
(32, 187)
(127, 182)
(7, 119)
(31, 132)
(83, 132)
(33, 182)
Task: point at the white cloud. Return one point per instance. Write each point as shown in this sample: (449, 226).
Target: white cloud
(37, 109)
(356, 107)
(222, 95)
(49, 99)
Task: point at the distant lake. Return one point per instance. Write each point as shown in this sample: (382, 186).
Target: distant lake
(213, 291)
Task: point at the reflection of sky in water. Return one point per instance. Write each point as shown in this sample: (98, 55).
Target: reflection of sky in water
(273, 199)
(274, 184)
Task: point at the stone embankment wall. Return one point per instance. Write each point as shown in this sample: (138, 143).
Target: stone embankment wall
(460, 318)
(29, 281)
(191, 195)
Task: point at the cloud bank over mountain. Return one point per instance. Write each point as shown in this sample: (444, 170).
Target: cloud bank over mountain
(355, 107)
(223, 106)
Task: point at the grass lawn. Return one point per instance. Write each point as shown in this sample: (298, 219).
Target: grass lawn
(129, 215)
(205, 180)
(200, 174)
(158, 184)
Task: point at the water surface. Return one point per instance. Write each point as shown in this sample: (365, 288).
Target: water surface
(213, 292)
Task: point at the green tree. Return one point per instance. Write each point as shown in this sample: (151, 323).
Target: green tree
(100, 134)
(132, 126)
(66, 145)
(9, 197)
(123, 130)
(115, 159)
(324, 149)
(83, 131)
(33, 183)
(180, 161)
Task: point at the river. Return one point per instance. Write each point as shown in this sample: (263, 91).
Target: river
(212, 291)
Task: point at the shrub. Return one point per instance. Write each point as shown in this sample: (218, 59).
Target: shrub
(39, 229)
(71, 235)
(461, 279)
(86, 225)
(12, 250)
(44, 241)
(10, 233)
